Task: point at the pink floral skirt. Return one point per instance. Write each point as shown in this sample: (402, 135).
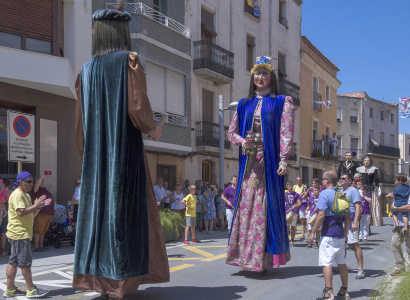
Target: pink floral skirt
(246, 247)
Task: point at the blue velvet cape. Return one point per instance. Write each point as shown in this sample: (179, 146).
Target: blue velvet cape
(112, 225)
(277, 240)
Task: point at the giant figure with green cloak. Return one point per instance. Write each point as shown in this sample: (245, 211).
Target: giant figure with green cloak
(119, 240)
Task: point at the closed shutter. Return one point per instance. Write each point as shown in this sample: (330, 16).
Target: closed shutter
(175, 87)
(156, 87)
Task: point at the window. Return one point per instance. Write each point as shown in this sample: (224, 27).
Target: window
(392, 118)
(371, 112)
(207, 26)
(392, 172)
(354, 115)
(316, 95)
(282, 13)
(392, 140)
(327, 93)
(160, 7)
(382, 167)
(166, 91)
(327, 130)
(382, 115)
(381, 138)
(10, 40)
(315, 132)
(250, 47)
(371, 133)
(282, 65)
(207, 171)
(339, 114)
(339, 142)
(250, 9)
(354, 144)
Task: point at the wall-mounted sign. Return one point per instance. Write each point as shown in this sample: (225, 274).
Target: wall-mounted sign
(21, 137)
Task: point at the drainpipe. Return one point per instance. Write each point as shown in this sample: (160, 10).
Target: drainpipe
(270, 28)
(231, 45)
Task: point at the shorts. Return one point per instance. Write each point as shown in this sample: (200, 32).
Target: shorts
(331, 249)
(353, 237)
(3, 225)
(302, 213)
(293, 222)
(20, 253)
(221, 215)
(42, 223)
(190, 221)
(199, 216)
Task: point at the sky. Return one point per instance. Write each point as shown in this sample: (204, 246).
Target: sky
(368, 40)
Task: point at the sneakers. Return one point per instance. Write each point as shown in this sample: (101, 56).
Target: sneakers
(13, 293)
(397, 271)
(36, 293)
(195, 241)
(343, 294)
(186, 242)
(360, 274)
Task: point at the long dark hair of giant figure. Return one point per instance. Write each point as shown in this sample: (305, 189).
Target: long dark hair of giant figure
(273, 86)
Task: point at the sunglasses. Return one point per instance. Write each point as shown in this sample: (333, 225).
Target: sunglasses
(28, 181)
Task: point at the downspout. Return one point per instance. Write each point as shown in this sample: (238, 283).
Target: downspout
(231, 47)
(270, 28)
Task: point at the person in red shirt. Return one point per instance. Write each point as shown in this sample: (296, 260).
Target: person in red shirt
(43, 219)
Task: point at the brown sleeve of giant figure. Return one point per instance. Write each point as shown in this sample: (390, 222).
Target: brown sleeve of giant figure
(139, 108)
(79, 131)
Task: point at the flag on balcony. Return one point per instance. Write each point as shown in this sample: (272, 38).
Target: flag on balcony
(404, 107)
(256, 5)
(326, 103)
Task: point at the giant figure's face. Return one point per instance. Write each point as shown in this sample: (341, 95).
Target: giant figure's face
(261, 79)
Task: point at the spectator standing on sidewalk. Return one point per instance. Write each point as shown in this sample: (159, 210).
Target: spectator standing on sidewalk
(220, 211)
(160, 192)
(20, 233)
(185, 189)
(398, 238)
(176, 198)
(75, 200)
(43, 218)
(168, 192)
(229, 197)
(190, 204)
(210, 214)
(4, 197)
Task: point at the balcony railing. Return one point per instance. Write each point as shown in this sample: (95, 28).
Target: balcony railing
(317, 97)
(144, 10)
(207, 134)
(283, 21)
(342, 153)
(384, 150)
(208, 55)
(325, 151)
(289, 89)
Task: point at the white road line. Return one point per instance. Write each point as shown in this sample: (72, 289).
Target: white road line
(46, 283)
(61, 273)
(43, 272)
(92, 294)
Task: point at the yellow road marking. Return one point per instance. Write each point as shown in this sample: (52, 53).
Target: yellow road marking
(199, 251)
(216, 257)
(184, 258)
(181, 267)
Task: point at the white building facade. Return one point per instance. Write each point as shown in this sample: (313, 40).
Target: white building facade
(404, 161)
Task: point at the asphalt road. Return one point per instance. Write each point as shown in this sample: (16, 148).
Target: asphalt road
(198, 271)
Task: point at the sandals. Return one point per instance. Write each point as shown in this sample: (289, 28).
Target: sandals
(316, 246)
(343, 294)
(326, 295)
(292, 243)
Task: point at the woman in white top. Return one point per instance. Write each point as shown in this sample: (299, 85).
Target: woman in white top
(176, 197)
(75, 200)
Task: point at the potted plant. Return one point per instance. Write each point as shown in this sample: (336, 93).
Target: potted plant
(172, 224)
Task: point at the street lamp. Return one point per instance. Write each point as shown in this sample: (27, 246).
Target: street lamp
(231, 106)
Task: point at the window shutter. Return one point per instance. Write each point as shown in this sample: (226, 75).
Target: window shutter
(156, 87)
(175, 87)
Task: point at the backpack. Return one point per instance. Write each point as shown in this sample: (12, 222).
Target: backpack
(341, 205)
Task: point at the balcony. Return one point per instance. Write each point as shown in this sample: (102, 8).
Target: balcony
(384, 150)
(289, 89)
(207, 137)
(249, 10)
(317, 97)
(342, 154)
(324, 151)
(213, 62)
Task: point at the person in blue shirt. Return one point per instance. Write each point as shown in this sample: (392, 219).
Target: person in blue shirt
(400, 195)
(345, 183)
(334, 235)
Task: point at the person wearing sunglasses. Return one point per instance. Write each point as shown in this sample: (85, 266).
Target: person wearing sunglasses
(20, 234)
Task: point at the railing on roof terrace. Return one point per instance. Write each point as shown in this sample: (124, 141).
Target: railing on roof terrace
(144, 10)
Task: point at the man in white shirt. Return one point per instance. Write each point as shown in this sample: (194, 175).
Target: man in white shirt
(168, 192)
(160, 192)
(333, 144)
(397, 239)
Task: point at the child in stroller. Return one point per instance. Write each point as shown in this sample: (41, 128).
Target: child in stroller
(61, 230)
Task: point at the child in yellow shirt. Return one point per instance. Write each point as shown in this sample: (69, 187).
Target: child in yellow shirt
(190, 214)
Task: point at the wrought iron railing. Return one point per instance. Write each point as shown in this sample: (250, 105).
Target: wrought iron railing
(289, 89)
(317, 97)
(342, 153)
(144, 10)
(283, 21)
(207, 134)
(384, 150)
(172, 118)
(210, 56)
(324, 150)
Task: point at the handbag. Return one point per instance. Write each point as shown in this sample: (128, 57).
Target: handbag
(290, 216)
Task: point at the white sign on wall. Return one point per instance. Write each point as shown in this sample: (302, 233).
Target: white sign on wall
(21, 137)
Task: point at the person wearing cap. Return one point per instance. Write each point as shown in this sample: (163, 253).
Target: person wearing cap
(20, 234)
(259, 238)
(349, 166)
(118, 214)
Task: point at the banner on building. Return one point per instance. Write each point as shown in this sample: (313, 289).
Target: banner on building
(404, 108)
(256, 6)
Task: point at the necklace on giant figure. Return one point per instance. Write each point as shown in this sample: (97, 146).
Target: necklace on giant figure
(262, 93)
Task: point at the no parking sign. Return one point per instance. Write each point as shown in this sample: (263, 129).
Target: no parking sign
(21, 137)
